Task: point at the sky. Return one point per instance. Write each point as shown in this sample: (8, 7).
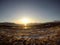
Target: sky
(36, 10)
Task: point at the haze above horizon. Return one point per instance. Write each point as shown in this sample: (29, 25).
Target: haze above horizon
(29, 11)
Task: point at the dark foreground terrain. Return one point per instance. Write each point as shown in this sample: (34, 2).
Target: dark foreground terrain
(32, 34)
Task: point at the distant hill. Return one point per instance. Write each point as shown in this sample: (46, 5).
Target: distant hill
(10, 25)
(33, 25)
(45, 25)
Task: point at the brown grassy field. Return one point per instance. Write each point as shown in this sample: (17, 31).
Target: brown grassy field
(36, 34)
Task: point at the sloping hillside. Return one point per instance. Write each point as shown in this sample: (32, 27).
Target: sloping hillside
(36, 34)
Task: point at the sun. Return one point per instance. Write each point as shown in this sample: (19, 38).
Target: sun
(25, 21)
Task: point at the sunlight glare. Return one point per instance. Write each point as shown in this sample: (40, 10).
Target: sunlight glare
(25, 21)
